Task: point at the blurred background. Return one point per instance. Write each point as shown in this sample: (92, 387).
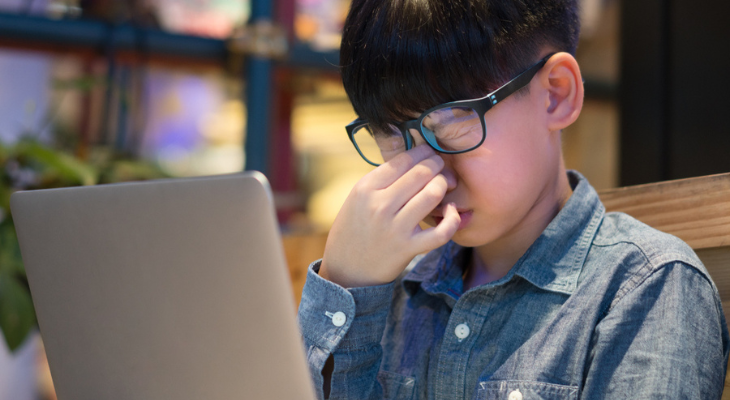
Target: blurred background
(100, 91)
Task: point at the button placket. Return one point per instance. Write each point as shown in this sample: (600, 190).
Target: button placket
(467, 318)
(462, 331)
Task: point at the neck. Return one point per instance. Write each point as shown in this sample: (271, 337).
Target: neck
(493, 260)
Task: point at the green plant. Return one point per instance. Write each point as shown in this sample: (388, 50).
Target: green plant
(29, 165)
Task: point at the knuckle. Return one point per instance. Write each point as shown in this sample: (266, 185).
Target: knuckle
(436, 238)
(421, 173)
(441, 236)
(377, 209)
(427, 169)
(433, 191)
(444, 233)
(360, 189)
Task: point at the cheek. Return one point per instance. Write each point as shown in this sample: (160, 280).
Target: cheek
(500, 160)
(498, 176)
(517, 151)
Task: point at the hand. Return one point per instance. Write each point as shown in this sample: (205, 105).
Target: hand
(377, 232)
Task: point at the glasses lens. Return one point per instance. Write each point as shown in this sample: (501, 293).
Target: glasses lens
(378, 146)
(453, 129)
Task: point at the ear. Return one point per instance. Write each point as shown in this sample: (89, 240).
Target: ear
(563, 88)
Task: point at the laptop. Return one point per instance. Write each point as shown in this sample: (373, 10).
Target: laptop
(170, 289)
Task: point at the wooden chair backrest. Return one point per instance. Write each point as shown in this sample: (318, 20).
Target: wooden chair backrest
(697, 210)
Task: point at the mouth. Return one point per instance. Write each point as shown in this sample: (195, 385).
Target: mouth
(437, 216)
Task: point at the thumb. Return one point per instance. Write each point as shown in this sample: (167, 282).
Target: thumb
(436, 236)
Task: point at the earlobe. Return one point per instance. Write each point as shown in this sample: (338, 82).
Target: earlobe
(562, 78)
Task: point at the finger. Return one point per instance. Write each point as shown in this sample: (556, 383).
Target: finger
(439, 235)
(387, 173)
(423, 202)
(414, 181)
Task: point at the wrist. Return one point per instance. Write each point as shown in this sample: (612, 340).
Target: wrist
(346, 280)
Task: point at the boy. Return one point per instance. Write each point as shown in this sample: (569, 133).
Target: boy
(529, 289)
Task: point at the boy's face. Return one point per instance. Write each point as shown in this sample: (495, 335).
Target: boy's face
(501, 186)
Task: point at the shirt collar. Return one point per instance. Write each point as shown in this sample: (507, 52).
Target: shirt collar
(553, 262)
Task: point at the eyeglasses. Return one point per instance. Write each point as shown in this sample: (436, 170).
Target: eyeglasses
(450, 128)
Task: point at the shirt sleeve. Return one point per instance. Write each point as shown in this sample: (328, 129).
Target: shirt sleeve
(665, 339)
(347, 324)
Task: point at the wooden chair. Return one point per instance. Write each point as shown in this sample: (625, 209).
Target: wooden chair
(697, 210)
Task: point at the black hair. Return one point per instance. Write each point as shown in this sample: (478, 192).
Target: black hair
(400, 57)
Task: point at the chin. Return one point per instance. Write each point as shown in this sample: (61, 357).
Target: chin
(464, 239)
(469, 237)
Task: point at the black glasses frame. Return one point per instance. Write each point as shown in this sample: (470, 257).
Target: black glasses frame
(480, 105)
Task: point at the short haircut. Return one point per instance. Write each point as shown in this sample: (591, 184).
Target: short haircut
(400, 57)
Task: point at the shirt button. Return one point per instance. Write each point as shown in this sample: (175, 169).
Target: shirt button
(462, 331)
(339, 318)
(515, 395)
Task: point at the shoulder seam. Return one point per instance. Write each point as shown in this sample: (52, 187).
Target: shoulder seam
(621, 294)
(635, 278)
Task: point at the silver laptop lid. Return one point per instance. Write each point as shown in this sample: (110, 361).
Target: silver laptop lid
(172, 289)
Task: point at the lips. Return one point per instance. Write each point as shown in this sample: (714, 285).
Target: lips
(465, 215)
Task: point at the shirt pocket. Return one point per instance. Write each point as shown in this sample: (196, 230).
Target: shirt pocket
(396, 387)
(525, 390)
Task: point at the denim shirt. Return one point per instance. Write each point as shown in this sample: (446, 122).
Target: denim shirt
(600, 306)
